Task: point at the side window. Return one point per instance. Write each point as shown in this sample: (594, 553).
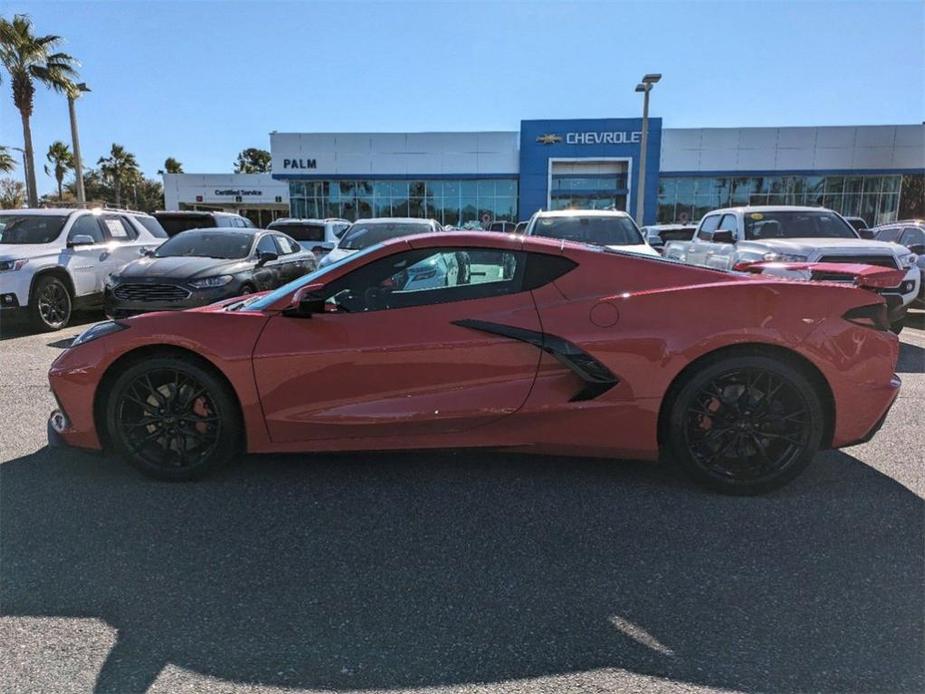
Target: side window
(267, 245)
(710, 223)
(426, 277)
(119, 228)
(543, 269)
(913, 236)
(729, 223)
(286, 245)
(86, 225)
(888, 234)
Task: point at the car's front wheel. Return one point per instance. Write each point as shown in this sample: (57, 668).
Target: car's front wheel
(51, 304)
(173, 418)
(746, 425)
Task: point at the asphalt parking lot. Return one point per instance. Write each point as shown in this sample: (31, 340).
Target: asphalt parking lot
(455, 572)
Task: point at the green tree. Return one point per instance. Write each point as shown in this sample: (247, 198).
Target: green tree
(7, 162)
(28, 59)
(252, 160)
(171, 166)
(119, 169)
(60, 157)
(12, 194)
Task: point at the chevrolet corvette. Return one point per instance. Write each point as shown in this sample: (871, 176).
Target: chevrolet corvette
(542, 346)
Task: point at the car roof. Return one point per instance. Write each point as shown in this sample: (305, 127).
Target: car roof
(582, 213)
(771, 208)
(307, 220)
(421, 220)
(57, 211)
(238, 230)
(193, 213)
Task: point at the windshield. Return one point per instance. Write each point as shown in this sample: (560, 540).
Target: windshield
(30, 228)
(803, 224)
(365, 234)
(600, 231)
(207, 244)
(318, 275)
(301, 232)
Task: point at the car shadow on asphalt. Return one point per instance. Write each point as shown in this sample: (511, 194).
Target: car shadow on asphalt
(428, 569)
(19, 328)
(911, 359)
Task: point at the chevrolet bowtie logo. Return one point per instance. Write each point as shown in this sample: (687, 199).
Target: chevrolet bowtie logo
(548, 139)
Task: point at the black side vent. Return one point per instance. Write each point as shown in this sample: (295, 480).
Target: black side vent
(598, 379)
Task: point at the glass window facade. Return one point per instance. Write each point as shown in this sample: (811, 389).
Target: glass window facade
(449, 201)
(588, 191)
(688, 198)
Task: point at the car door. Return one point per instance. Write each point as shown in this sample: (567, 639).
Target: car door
(83, 261)
(293, 261)
(269, 274)
(121, 242)
(720, 255)
(699, 248)
(383, 360)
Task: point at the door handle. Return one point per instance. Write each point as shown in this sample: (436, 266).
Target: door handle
(104, 255)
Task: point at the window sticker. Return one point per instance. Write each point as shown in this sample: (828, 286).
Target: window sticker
(757, 216)
(116, 230)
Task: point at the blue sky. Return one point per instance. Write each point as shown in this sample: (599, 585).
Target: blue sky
(202, 80)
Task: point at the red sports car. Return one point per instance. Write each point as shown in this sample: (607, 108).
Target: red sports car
(488, 340)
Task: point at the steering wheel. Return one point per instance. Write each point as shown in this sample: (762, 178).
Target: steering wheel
(373, 297)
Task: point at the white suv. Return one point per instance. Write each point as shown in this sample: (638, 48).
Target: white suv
(53, 261)
(613, 229)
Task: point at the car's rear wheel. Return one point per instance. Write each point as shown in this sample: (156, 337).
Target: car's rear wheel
(51, 304)
(173, 418)
(746, 425)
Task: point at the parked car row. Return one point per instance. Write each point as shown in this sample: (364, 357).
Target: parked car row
(55, 261)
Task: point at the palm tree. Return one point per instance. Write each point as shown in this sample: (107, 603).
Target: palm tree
(121, 168)
(59, 155)
(171, 166)
(7, 163)
(28, 59)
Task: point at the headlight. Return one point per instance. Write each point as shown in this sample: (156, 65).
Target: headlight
(785, 258)
(10, 265)
(97, 331)
(907, 260)
(209, 282)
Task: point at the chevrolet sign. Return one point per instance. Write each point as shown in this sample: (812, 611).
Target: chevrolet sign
(603, 138)
(548, 139)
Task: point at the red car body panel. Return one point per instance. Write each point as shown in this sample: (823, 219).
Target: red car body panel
(413, 378)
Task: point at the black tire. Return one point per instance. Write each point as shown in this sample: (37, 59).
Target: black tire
(896, 327)
(50, 305)
(173, 418)
(746, 425)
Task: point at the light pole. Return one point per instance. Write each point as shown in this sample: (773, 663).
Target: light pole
(73, 92)
(25, 168)
(645, 87)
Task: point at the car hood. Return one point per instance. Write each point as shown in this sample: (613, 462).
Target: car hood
(338, 253)
(181, 267)
(13, 251)
(846, 246)
(639, 248)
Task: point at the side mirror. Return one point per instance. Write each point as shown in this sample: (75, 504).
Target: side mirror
(306, 302)
(918, 248)
(865, 233)
(266, 257)
(81, 240)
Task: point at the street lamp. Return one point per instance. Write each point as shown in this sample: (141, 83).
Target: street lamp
(25, 168)
(645, 87)
(73, 93)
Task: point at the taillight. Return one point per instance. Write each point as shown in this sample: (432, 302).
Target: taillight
(871, 316)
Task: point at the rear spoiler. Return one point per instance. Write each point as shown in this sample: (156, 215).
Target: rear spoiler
(860, 275)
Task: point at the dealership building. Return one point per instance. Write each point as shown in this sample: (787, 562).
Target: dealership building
(874, 172)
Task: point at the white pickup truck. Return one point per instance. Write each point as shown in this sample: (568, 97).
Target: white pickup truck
(733, 238)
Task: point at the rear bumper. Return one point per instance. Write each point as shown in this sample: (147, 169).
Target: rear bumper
(862, 417)
(892, 393)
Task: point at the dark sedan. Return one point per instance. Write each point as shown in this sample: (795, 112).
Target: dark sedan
(202, 266)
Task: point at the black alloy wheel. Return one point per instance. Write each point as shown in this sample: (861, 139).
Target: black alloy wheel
(51, 304)
(173, 419)
(746, 425)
